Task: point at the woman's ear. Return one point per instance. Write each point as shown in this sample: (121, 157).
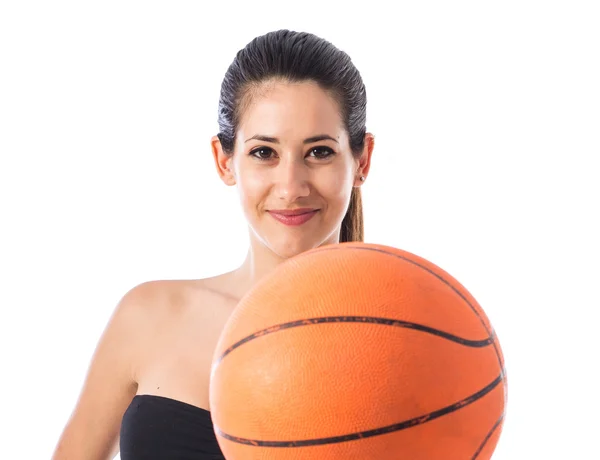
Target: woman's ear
(364, 162)
(223, 162)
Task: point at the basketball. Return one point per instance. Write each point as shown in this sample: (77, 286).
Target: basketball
(358, 351)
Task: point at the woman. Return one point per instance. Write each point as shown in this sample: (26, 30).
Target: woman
(292, 138)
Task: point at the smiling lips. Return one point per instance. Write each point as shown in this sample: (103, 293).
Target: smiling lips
(293, 216)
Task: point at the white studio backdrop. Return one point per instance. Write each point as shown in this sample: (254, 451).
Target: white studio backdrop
(487, 124)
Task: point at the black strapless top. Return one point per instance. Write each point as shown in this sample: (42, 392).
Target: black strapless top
(156, 427)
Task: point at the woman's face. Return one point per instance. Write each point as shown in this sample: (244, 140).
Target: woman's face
(293, 167)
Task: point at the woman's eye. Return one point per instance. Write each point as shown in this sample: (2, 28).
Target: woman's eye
(321, 152)
(263, 153)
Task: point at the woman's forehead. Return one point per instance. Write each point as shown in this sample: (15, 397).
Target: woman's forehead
(291, 110)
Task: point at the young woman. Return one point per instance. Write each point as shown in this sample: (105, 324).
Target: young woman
(292, 139)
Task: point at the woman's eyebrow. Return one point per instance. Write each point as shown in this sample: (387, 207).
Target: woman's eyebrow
(274, 140)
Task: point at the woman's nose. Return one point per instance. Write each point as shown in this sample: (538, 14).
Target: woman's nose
(292, 180)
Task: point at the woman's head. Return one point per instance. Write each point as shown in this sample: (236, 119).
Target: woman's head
(282, 91)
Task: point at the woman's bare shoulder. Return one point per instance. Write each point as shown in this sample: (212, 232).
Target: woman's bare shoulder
(179, 338)
(160, 304)
(166, 297)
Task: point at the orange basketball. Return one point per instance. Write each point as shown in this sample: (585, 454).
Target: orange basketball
(358, 351)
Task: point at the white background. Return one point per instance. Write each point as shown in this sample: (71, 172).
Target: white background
(487, 119)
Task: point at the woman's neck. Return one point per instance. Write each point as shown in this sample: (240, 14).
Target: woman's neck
(260, 261)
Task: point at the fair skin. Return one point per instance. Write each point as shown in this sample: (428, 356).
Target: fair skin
(161, 337)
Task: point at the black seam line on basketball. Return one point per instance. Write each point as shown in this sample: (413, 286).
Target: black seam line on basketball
(339, 247)
(357, 319)
(368, 433)
(487, 437)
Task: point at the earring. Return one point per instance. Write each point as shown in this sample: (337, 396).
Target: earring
(362, 178)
